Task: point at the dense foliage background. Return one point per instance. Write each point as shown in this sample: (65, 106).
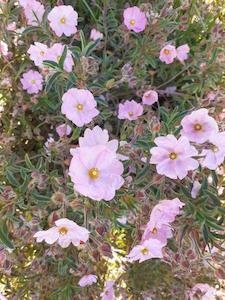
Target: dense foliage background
(36, 189)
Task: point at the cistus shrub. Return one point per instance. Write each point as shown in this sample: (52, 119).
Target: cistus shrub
(112, 149)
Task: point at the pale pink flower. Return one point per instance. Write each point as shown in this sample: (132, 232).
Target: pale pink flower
(3, 48)
(37, 53)
(108, 293)
(215, 154)
(162, 234)
(63, 130)
(96, 172)
(182, 52)
(150, 97)
(2, 297)
(122, 220)
(49, 143)
(195, 189)
(63, 19)
(151, 248)
(33, 11)
(134, 19)
(164, 213)
(211, 96)
(64, 233)
(99, 136)
(198, 126)
(130, 110)
(32, 82)
(173, 158)
(204, 291)
(95, 35)
(168, 54)
(11, 26)
(87, 280)
(79, 106)
(54, 54)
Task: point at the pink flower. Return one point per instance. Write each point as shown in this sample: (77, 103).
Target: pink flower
(151, 248)
(95, 35)
(168, 54)
(32, 82)
(2, 297)
(203, 290)
(63, 19)
(99, 136)
(182, 52)
(214, 156)
(198, 126)
(63, 130)
(173, 157)
(79, 106)
(164, 213)
(108, 293)
(54, 54)
(162, 234)
(87, 280)
(49, 144)
(64, 233)
(130, 110)
(96, 172)
(11, 26)
(37, 53)
(195, 189)
(3, 48)
(134, 19)
(150, 97)
(33, 11)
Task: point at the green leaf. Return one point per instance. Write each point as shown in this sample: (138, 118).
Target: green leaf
(4, 239)
(89, 9)
(11, 179)
(62, 58)
(90, 47)
(50, 64)
(28, 162)
(51, 81)
(31, 29)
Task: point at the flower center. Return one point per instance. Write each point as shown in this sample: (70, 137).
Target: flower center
(80, 106)
(173, 155)
(166, 51)
(130, 113)
(198, 127)
(144, 251)
(63, 230)
(33, 81)
(132, 22)
(63, 20)
(154, 230)
(93, 173)
(42, 53)
(215, 149)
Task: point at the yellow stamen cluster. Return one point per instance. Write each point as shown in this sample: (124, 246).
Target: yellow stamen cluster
(63, 230)
(198, 127)
(166, 51)
(173, 155)
(63, 20)
(144, 251)
(132, 22)
(80, 107)
(93, 173)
